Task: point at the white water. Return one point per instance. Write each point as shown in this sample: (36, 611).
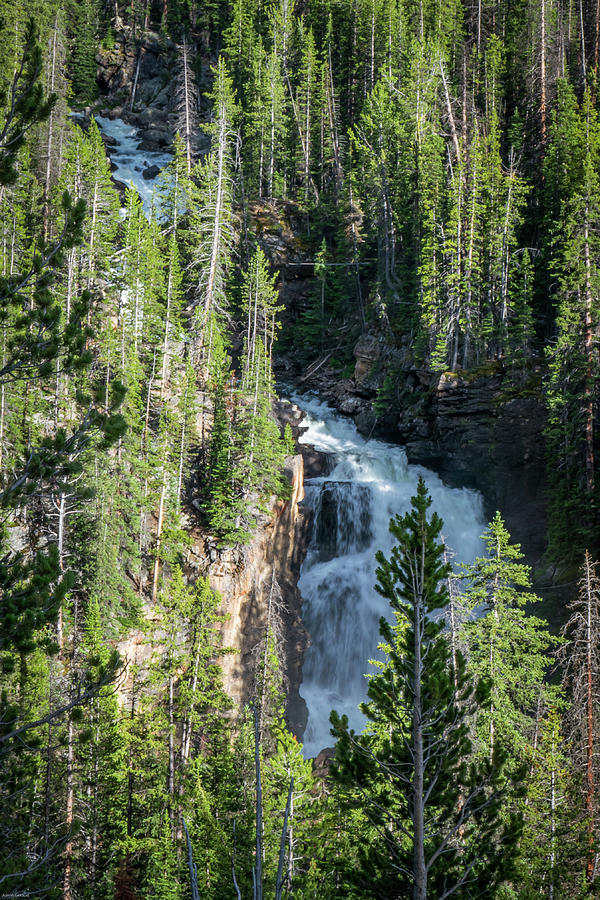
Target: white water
(129, 160)
(370, 482)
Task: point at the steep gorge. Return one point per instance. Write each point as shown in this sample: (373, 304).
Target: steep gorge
(469, 429)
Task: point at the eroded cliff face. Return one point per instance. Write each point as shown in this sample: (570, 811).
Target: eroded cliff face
(245, 578)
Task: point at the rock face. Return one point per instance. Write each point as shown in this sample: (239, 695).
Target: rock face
(477, 434)
(476, 429)
(277, 227)
(244, 577)
(117, 67)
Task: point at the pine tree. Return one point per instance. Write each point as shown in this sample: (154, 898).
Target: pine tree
(573, 361)
(187, 103)
(84, 33)
(580, 665)
(212, 219)
(554, 829)
(507, 645)
(433, 810)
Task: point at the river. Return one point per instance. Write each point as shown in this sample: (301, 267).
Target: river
(370, 481)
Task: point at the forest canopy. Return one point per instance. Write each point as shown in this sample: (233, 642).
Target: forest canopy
(423, 175)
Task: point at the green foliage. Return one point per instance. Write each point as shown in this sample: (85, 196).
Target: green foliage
(572, 360)
(448, 198)
(433, 810)
(507, 645)
(84, 36)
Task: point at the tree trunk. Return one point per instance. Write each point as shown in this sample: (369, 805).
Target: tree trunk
(589, 357)
(67, 894)
(418, 791)
(583, 52)
(171, 770)
(187, 101)
(543, 112)
(258, 880)
(590, 788)
(159, 528)
(279, 881)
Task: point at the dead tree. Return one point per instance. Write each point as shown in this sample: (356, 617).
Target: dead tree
(580, 657)
(186, 96)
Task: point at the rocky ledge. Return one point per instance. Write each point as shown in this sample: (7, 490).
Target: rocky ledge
(480, 429)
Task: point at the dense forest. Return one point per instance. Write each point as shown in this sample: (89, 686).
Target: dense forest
(437, 165)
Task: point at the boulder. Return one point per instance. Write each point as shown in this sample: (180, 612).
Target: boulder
(156, 139)
(162, 99)
(350, 406)
(152, 118)
(151, 172)
(147, 91)
(366, 352)
(152, 64)
(317, 464)
(115, 113)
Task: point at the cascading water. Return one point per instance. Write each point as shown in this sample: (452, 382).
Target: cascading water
(369, 483)
(129, 161)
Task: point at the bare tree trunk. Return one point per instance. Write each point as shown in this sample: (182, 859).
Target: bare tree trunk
(51, 88)
(583, 52)
(216, 241)
(372, 60)
(271, 170)
(67, 894)
(333, 123)
(258, 877)
(590, 787)
(552, 824)
(165, 360)
(589, 357)
(135, 80)
(188, 98)
(238, 893)
(306, 147)
(301, 135)
(596, 35)
(506, 252)
(280, 880)
(418, 791)
(159, 528)
(191, 865)
(543, 112)
(171, 769)
(61, 548)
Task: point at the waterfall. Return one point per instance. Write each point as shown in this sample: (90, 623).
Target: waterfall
(370, 481)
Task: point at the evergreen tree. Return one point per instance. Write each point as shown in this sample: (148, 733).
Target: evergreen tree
(212, 216)
(84, 34)
(573, 361)
(507, 646)
(434, 811)
(554, 833)
(580, 677)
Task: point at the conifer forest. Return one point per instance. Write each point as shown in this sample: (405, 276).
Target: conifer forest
(300, 449)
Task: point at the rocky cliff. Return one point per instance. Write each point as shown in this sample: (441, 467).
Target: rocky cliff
(246, 577)
(479, 429)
